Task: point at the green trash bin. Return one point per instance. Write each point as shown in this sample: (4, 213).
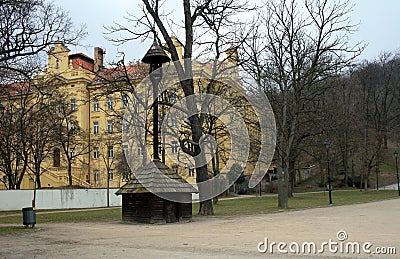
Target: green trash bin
(29, 217)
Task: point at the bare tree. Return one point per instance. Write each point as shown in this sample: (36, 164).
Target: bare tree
(298, 46)
(40, 129)
(200, 17)
(68, 134)
(14, 130)
(28, 28)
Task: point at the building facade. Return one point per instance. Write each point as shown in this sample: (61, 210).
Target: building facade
(88, 101)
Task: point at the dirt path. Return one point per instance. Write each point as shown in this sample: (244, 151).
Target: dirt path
(234, 237)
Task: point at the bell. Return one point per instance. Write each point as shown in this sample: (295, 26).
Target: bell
(155, 55)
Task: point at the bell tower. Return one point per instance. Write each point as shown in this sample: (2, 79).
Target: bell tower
(58, 58)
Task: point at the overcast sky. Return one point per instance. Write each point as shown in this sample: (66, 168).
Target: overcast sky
(379, 25)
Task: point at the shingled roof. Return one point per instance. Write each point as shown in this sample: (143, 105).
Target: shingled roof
(150, 178)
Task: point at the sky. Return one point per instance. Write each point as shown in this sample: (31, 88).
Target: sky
(378, 25)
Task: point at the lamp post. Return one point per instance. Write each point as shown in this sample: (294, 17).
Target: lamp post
(397, 171)
(327, 146)
(155, 57)
(377, 175)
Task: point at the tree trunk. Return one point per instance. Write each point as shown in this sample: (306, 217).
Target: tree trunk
(345, 164)
(283, 180)
(346, 172)
(352, 173)
(11, 184)
(69, 170)
(38, 183)
(385, 142)
(367, 178)
(292, 178)
(215, 190)
(215, 200)
(21, 176)
(206, 208)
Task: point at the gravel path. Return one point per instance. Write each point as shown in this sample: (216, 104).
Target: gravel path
(227, 237)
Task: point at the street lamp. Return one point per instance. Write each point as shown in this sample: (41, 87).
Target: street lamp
(327, 146)
(155, 57)
(397, 171)
(377, 175)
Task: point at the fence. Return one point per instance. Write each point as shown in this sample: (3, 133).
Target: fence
(58, 199)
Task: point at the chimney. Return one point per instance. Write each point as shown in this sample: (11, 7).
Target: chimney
(98, 58)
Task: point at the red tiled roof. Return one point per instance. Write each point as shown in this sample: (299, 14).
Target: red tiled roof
(81, 60)
(15, 89)
(133, 72)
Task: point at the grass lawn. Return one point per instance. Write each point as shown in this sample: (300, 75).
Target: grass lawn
(234, 207)
(268, 203)
(95, 215)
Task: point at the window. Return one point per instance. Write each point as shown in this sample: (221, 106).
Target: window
(173, 120)
(110, 175)
(95, 105)
(60, 107)
(190, 147)
(173, 96)
(174, 149)
(110, 126)
(73, 127)
(109, 103)
(191, 171)
(175, 168)
(56, 157)
(96, 176)
(57, 63)
(72, 152)
(124, 101)
(96, 153)
(73, 105)
(125, 177)
(139, 99)
(54, 108)
(125, 149)
(140, 150)
(125, 126)
(96, 127)
(110, 151)
(19, 158)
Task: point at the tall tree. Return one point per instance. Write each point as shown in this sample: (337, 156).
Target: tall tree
(39, 129)
(211, 17)
(67, 133)
(27, 29)
(300, 45)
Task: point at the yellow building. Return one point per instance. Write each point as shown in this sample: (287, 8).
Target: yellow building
(96, 98)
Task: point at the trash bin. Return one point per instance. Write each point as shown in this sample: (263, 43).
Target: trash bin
(29, 217)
